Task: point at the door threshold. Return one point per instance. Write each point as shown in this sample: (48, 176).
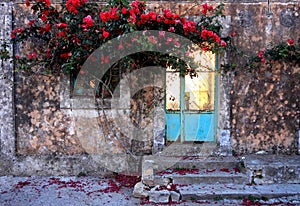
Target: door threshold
(189, 142)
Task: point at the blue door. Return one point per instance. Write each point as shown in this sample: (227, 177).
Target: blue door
(190, 105)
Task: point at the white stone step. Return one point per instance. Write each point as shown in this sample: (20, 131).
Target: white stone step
(196, 176)
(237, 191)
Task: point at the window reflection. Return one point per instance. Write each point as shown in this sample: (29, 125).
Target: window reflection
(199, 92)
(173, 91)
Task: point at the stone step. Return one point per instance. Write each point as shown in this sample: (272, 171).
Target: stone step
(191, 170)
(209, 178)
(207, 163)
(236, 191)
(270, 169)
(161, 163)
(178, 149)
(196, 176)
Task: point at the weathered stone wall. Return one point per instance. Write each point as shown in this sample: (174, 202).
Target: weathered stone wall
(7, 133)
(265, 109)
(41, 126)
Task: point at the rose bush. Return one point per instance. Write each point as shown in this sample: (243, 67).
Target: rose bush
(67, 34)
(283, 51)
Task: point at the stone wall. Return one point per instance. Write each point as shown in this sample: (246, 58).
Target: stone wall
(7, 132)
(265, 109)
(41, 123)
(41, 126)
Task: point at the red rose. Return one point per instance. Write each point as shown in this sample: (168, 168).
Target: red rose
(31, 22)
(46, 13)
(290, 42)
(210, 33)
(61, 25)
(205, 48)
(261, 53)
(72, 5)
(65, 55)
(171, 29)
(204, 34)
(124, 10)
(113, 13)
(61, 34)
(48, 3)
(48, 28)
(33, 54)
(204, 8)
(105, 34)
(216, 38)
(43, 18)
(153, 15)
(48, 53)
(88, 21)
(168, 13)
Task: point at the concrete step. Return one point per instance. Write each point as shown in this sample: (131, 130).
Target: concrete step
(196, 176)
(193, 170)
(210, 163)
(178, 149)
(273, 177)
(270, 169)
(237, 191)
(161, 163)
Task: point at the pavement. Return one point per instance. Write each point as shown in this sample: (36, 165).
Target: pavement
(111, 191)
(56, 191)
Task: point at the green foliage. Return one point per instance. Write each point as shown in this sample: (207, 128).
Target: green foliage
(4, 54)
(284, 51)
(81, 174)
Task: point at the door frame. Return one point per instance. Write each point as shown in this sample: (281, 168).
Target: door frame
(182, 107)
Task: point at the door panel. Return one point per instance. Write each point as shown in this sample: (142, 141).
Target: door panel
(173, 126)
(199, 127)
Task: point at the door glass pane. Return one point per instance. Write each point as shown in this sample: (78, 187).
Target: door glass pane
(172, 91)
(199, 91)
(205, 60)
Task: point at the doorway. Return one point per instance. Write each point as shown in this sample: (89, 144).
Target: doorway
(191, 102)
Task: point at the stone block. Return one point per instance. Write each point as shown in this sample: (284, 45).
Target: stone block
(148, 173)
(175, 196)
(140, 190)
(161, 196)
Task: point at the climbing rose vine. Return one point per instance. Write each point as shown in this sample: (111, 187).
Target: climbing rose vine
(284, 51)
(64, 36)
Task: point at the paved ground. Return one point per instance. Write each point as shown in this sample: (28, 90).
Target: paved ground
(81, 191)
(56, 191)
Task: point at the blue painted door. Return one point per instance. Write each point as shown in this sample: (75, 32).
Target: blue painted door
(190, 106)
